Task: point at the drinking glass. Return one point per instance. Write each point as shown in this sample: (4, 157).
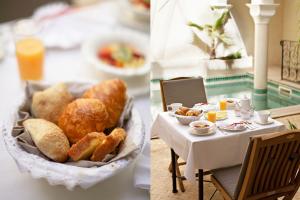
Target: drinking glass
(30, 50)
(223, 104)
(212, 116)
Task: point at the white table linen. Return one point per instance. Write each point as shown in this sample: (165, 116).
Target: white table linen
(222, 149)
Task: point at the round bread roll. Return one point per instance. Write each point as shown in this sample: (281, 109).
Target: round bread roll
(49, 104)
(83, 116)
(113, 94)
(48, 138)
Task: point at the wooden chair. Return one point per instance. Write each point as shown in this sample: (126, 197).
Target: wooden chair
(270, 169)
(185, 90)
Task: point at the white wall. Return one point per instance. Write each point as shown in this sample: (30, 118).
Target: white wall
(284, 25)
(291, 19)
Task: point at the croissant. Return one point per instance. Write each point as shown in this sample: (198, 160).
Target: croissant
(109, 144)
(83, 116)
(113, 94)
(85, 147)
(49, 104)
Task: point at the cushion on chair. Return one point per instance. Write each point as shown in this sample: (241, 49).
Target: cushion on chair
(232, 178)
(188, 91)
(228, 178)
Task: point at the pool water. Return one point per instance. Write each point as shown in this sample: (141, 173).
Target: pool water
(238, 86)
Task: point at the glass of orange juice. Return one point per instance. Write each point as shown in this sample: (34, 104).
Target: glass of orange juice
(30, 50)
(223, 104)
(212, 116)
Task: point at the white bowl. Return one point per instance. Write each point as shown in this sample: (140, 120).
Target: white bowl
(201, 130)
(186, 120)
(91, 47)
(138, 13)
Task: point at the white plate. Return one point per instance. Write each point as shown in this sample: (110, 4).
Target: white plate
(171, 113)
(270, 121)
(223, 127)
(210, 132)
(205, 107)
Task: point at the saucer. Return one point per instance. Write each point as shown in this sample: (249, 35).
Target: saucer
(270, 121)
(172, 113)
(210, 132)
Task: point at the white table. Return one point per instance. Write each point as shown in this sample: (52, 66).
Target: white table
(66, 65)
(222, 149)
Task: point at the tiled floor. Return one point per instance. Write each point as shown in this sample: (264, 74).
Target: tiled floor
(161, 178)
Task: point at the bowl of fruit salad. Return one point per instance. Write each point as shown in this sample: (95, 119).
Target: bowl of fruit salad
(122, 53)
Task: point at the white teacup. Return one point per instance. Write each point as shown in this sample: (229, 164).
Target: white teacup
(245, 114)
(173, 107)
(264, 116)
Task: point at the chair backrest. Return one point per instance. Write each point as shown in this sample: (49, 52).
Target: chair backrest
(271, 168)
(185, 90)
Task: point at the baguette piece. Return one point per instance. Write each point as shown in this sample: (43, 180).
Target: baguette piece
(85, 147)
(48, 138)
(109, 144)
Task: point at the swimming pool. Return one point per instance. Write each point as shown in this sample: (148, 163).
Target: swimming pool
(217, 88)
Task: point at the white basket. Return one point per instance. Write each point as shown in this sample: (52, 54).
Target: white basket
(67, 175)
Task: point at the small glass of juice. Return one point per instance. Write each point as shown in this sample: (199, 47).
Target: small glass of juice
(223, 104)
(212, 116)
(30, 50)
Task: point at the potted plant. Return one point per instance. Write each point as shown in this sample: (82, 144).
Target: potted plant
(217, 37)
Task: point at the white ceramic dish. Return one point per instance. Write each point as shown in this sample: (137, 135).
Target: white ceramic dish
(205, 107)
(137, 12)
(200, 130)
(91, 47)
(231, 128)
(211, 131)
(186, 120)
(270, 121)
(68, 175)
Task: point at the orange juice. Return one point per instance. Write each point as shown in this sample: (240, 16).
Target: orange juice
(223, 105)
(30, 55)
(212, 116)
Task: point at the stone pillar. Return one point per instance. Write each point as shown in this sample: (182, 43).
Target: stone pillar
(261, 11)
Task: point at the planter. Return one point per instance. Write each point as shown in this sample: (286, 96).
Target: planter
(218, 64)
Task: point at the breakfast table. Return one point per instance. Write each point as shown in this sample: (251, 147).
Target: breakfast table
(67, 64)
(207, 152)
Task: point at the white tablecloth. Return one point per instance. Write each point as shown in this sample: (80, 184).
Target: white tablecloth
(221, 149)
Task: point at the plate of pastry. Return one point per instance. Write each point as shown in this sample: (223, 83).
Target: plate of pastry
(75, 134)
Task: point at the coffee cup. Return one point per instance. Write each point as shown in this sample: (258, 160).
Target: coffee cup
(173, 107)
(264, 116)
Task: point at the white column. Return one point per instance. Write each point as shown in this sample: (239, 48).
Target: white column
(261, 11)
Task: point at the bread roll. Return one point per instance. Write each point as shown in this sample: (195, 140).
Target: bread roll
(109, 144)
(81, 117)
(113, 94)
(49, 104)
(85, 147)
(48, 138)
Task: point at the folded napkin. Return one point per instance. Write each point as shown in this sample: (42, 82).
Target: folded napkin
(142, 170)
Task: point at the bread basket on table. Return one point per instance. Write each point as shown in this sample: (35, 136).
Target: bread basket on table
(83, 173)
